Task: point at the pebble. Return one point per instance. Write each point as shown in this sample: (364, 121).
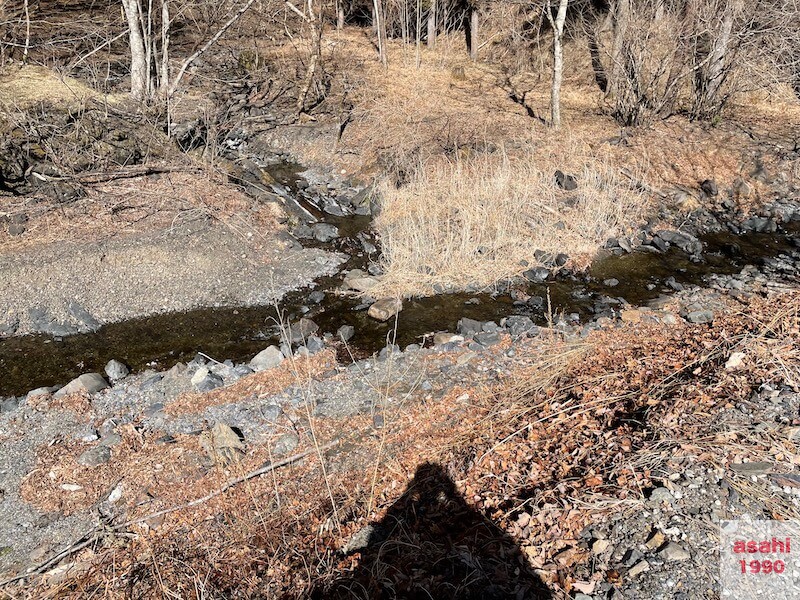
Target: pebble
(345, 332)
(674, 553)
(94, 457)
(639, 568)
(269, 358)
(700, 316)
(285, 444)
(385, 309)
(115, 370)
(88, 382)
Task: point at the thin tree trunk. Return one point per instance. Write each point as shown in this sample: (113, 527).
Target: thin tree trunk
(558, 60)
(380, 24)
(717, 65)
(165, 25)
(619, 19)
(404, 23)
(315, 25)
(339, 15)
(149, 47)
(432, 25)
(138, 55)
(27, 33)
(600, 75)
(418, 35)
(474, 21)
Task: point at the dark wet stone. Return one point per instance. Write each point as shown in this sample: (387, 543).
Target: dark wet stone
(468, 327)
(537, 274)
(536, 302)
(760, 225)
(487, 338)
(325, 232)
(519, 326)
(209, 382)
(709, 186)
(565, 182)
(670, 281)
(80, 314)
(345, 332)
(314, 344)
(301, 330)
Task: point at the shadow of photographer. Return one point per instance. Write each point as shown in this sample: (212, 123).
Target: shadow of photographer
(432, 545)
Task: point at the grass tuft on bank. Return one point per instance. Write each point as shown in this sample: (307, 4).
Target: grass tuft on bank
(479, 221)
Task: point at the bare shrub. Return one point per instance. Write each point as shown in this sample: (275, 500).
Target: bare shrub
(481, 221)
(646, 48)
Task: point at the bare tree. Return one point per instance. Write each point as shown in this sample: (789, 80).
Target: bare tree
(557, 24)
(140, 69)
(379, 23)
(432, 24)
(474, 24)
(314, 21)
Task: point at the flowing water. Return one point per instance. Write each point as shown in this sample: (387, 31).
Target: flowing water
(238, 333)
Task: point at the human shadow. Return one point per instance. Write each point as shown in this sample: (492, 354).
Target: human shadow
(432, 545)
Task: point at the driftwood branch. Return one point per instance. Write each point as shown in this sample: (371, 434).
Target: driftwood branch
(102, 176)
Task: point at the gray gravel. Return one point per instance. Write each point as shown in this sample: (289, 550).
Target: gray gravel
(71, 287)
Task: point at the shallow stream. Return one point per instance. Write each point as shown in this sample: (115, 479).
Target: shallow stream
(160, 341)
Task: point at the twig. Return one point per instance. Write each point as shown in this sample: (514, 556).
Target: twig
(86, 539)
(187, 63)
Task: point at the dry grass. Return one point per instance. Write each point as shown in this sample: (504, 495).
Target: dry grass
(480, 221)
(22, 88)
(558, 443)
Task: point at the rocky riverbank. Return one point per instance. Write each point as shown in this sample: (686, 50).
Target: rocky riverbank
(76, 454)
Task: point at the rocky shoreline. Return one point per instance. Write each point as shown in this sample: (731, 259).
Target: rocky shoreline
(157, 402)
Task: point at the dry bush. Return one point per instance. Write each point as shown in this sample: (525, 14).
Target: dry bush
(645, 52)
(480, 221)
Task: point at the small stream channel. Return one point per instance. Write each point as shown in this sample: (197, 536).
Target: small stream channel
(160, 341)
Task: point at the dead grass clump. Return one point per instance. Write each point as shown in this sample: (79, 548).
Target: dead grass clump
(31, 85)
(480, 221)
